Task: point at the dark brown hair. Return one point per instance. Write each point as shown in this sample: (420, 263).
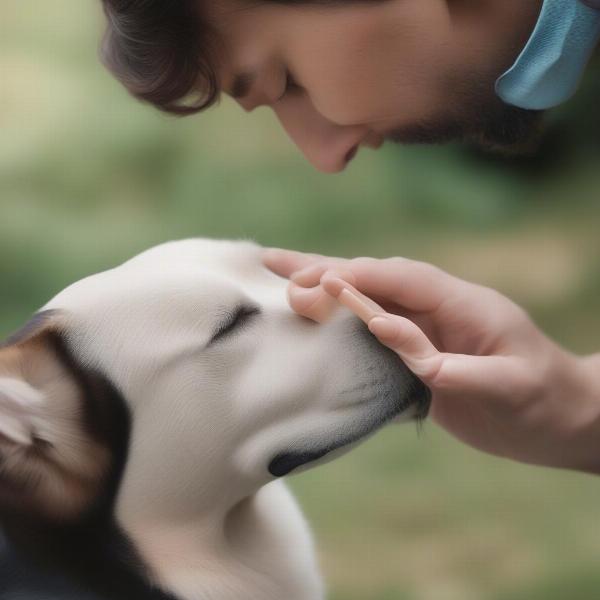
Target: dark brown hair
(163, 51)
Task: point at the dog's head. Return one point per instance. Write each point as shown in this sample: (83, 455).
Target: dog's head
(188, 359)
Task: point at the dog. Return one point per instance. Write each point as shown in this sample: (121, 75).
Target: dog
(148, 414)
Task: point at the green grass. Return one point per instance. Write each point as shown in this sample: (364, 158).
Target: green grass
(88, 177)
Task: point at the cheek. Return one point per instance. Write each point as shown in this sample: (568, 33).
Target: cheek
(367, 70)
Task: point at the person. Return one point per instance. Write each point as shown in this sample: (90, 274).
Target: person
(345, 74)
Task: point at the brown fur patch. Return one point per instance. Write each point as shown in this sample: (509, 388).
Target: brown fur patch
(62, 472)
(40, 322)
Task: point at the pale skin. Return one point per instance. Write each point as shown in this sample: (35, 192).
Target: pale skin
(344, 75)
(498, 383)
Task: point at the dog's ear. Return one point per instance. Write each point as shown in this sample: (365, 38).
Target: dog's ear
(55, 456)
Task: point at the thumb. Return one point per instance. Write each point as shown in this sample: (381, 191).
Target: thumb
(285, 262)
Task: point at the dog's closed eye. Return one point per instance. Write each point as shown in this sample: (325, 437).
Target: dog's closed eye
(235, 319)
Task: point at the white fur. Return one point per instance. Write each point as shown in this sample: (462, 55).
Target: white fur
(197, 498)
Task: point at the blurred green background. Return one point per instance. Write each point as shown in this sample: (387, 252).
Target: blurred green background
(88, 177)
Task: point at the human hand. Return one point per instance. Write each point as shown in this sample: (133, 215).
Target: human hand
(498, 383)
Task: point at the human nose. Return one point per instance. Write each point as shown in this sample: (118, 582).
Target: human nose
(328, 146)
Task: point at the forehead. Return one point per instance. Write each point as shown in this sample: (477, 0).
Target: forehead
(185, 272)
(241, 259)
(163, 304)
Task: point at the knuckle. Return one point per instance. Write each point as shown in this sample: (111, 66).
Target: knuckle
(430, 371)
(409, 334)
(331, 263)
(425, 269)
(492, 294)
(398, 261)
(435, 375)
(396, 339)
(520, 315)
(362, 261)
(513, 314)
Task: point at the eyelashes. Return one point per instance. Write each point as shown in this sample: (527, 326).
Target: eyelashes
(235, 320)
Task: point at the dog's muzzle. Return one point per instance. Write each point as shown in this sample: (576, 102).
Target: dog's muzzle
(414, 405)
(393, 394)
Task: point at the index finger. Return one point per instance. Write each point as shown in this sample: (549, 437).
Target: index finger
(413, 285)
(409, 284)
(285, 262)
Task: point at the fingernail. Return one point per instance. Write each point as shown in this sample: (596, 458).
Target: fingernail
(306, 276)
(344, 274)
(339, 275)
(313, 303)
(333, 284)
(382, 327)
(301, 297)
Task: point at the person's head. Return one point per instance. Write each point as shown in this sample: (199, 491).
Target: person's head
(339, 74)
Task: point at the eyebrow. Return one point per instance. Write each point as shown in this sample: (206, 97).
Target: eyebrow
(242, 83)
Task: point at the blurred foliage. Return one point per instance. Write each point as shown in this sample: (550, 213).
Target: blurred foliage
(88, 177)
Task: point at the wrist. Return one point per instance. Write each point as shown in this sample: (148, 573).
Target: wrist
(586, 432)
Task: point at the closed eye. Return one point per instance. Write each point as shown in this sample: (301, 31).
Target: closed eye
(234, 320)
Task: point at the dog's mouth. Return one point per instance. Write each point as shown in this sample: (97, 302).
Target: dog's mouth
(417, 407)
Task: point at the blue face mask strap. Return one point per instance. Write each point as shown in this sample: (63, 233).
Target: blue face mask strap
(549, 69)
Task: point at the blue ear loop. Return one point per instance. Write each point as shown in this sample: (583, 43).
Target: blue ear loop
(549, 70)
